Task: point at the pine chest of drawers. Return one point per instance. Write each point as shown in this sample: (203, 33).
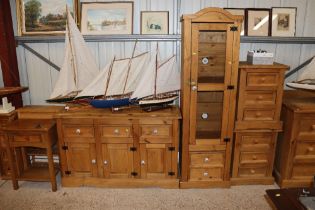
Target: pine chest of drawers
(257, 123)
(295, 155)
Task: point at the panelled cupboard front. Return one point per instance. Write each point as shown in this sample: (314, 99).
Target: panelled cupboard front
(129, 148)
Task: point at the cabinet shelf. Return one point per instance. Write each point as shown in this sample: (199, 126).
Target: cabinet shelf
(36, 173)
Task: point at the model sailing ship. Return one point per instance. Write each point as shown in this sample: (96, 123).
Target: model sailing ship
(135, 80)
(306, 79)
(79, 67)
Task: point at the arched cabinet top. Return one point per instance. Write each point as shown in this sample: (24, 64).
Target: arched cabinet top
(212, 14)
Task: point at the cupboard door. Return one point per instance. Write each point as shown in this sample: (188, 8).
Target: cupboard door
(210, 82)
(117, 160)
(81, 159)
(156, 161)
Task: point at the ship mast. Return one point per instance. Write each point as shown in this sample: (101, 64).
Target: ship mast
(73, 63)
(156, 69)
(109, 75)
(129, 66)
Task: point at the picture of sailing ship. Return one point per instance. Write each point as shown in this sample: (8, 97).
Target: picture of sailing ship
(79, 67)
(306, 80)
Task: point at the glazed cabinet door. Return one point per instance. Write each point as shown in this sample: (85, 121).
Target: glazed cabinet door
(211, 83)
(117, 160)
(156, 161)
(81, 159)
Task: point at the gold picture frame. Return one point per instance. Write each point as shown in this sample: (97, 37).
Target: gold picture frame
(99, 18)
(41, 17)
(154, 22)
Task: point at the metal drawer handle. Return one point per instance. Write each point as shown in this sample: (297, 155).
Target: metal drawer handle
(205, 174)
(142, 162)
(78, 131)
(206, 160)
(252, 171)
(310, 149)
(155, 131)
(93, 161)
(116, 131)
(105, 162)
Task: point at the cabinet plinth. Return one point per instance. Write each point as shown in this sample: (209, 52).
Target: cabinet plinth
(129, 148)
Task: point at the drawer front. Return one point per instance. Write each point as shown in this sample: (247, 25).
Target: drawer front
(206, 174)
(253, 158)
(306, 128)
(161, 131)
(260, 98)
(259, 114)
(252, 171)
(207, 159)
(26, 138)
(256, 142)
(78, 131)
(116, 131)
(306, 149)
(262, 79)
(305, 170)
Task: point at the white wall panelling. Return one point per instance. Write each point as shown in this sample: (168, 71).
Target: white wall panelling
(40, 77)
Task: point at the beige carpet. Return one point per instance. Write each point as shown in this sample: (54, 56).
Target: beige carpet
(38, 195)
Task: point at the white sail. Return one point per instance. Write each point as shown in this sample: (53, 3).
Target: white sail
(117, 77)
(168, 79)
(145, 86)
(79, 67)
(137, 67)
(309, 72)
(98, 85)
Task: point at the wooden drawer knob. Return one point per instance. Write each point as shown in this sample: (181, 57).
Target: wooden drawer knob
(254, 157)
(127, 130)
(252, 171)
(258, 114)
(259, 97)
(255, 141)
(262, 79)
(310, 149)
(313, 127)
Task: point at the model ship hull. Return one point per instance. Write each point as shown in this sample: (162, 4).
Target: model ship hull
(109, 103)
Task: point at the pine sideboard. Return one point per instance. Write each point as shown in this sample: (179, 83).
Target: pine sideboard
(129, 148)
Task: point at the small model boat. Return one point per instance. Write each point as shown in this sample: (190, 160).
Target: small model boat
(114, 85)
(306, 79)
(159, 85)
(79, 67)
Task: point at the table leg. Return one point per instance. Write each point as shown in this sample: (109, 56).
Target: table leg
(12, 165)
(51, 168)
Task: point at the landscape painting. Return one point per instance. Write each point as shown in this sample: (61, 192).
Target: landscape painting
(44, 16)
(107, 18)
(154, 22)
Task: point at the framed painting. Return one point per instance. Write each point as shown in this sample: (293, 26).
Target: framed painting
(258, 22)
(154, 22)
(106, 18)
(283, 21)
(38, 17)
(238, 11)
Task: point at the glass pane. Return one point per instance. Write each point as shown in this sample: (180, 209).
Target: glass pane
(209, 115)
(212, 47)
